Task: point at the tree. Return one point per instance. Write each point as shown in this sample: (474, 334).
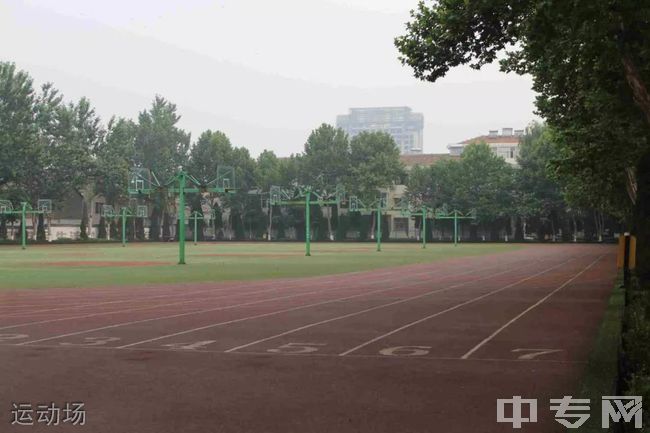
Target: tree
(214, 149)
(324, 162)
(114, 158)
(590, 62)
(161, 146)
(484, 183)
(538, 195)
(374, 164)
(18, 131)
(268, 173)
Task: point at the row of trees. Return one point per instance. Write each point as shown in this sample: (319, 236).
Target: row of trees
(590, 64)
(50, 148)
(523, 201)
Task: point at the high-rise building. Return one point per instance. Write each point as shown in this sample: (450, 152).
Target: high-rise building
(401, 123)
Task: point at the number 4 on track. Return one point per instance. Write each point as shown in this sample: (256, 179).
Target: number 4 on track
(534, 353)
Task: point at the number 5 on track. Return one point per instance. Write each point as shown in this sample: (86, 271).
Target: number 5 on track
(297, 348)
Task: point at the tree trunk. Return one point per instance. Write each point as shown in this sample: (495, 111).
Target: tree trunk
(329, 223)
(638, 87)
(642, 221)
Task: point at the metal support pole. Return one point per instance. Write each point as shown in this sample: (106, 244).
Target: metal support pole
(307, 225)
(181, 218)
(378, 228)
(23, 226)
(455, 228)
(123, 226)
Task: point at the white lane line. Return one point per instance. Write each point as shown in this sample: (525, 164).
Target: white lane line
(367, 310)
(167, 295)
(273, 313)
(439, 313)
(321, 290)
(149, 307)
(527, 310)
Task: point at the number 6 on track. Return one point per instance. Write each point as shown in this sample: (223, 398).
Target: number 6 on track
(406, 351)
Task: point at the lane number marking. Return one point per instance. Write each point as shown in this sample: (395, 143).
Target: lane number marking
(534, 353)
(297, 348)
(189, 346)
(93, 341)
(406, 351)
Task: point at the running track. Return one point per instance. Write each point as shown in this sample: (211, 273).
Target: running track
(418, 349)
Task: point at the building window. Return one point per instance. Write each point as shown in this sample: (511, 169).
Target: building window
(98, 208)
(401, 224)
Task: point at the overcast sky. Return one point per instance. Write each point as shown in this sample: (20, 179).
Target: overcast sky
(264, 72)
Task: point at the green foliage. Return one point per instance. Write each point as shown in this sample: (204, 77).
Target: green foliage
(18, 133)
(374, 164)
(114, 159)
(590, 64)
(636, 346)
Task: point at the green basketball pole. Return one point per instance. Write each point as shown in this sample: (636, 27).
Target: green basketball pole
(137, 186)
(181, 218)
(444, 214)
(307, 224)
(25, 208)
(301, 197)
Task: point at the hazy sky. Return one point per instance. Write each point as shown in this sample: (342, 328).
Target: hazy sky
(264, 72)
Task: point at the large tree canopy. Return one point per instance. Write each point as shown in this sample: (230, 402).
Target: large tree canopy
(590, 63)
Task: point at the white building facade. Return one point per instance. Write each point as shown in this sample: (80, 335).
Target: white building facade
(504, 144)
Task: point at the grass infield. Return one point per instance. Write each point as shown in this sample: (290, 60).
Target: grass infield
(96, 265)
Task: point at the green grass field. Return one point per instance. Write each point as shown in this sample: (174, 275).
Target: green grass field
(96, 265)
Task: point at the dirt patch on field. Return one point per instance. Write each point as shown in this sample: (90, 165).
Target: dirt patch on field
(103, 264)
(277, 255)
